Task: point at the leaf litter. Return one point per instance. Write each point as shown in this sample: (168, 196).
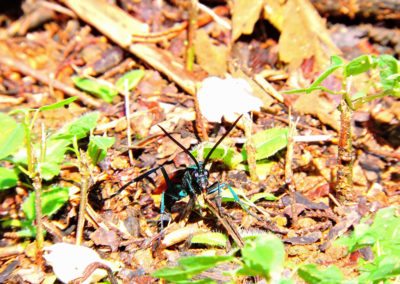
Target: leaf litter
(38, 71)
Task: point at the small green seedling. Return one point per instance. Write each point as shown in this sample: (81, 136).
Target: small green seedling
(106, 90)
(262, 255)
(388, 85)
(267, 144)
(41, 159)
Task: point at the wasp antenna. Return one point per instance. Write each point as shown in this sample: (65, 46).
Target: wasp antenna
(220, 140)
(181, 146)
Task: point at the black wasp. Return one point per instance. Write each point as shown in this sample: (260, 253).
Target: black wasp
(189, 181)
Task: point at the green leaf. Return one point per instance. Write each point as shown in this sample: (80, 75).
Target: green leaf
(78, 128)
(8, 178)
(382, 268)
(383, 231)
(336, 63)
(268, 142)
(189, 267)
(98, 146)
(312, 275)
(210, 238)
(49, 170)
(203, 261)
(263, 195)
(11, 137)
(360, 65)
(264, 256)
(52, 201)
(229, 156)
(129, 80)
(389, 72)
(95, 87)
(58, 104)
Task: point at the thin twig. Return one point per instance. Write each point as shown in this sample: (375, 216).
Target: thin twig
(288, 168)
(128, 122)
(45, 79)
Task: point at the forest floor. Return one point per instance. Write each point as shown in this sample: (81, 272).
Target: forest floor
(108, 135)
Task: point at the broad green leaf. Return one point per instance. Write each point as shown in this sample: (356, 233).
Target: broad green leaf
(58, 104)
(52, 201)
(176, 274)
(360, 65)
(312, 275)
(268, 142)
(28, 230)
(8, 178)
(49, 170)
(382, 268)
(210, 238)
(209, 261)
(189, 267)
(98, 146)
(383, 233)
(78, 128)
(263, 255)
(389, 72)
(129, 80)
(229, 156)
(102, 90)
(11, 136)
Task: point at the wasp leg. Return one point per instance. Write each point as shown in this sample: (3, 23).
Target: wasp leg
(164, 218)
(136, 179)
(217, 187)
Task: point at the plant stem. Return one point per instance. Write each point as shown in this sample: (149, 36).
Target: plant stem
(28, 143)
(37, 185)
(250, 148)
(344, 179)
(191, 34)
(84, 169)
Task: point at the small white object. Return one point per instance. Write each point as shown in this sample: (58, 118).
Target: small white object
(70, 261)
(228, 97)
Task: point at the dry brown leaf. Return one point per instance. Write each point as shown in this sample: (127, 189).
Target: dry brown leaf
(273, 12)
(210, 57)
(304, 35)
(319, 105)
(244, 16)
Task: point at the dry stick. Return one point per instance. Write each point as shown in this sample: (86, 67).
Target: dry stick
(288, 168)
(91, 268)
(128, 122)
(203, 19)
(199, 118)
(121, 33)
(228, 224)
(45, 79)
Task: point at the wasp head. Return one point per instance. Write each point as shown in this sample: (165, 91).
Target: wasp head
(201, 178)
